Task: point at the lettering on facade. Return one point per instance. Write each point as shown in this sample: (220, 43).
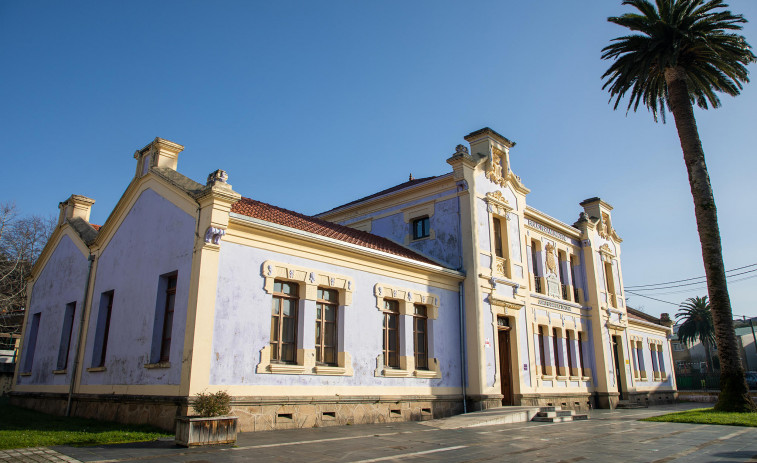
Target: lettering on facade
(546, 230)
(553, 305)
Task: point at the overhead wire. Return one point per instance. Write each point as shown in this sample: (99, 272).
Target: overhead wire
(688, 279)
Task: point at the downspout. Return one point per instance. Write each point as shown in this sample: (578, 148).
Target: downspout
(461, 304)
(91, 259)
(462, 346)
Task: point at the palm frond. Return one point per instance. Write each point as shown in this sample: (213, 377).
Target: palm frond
(692, 35)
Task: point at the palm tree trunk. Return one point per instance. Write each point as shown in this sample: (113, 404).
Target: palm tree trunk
(734, 393)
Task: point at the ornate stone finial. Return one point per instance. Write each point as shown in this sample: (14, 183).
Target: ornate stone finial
(411, 176)
(218, 176)
(582, 217)
(461, 149)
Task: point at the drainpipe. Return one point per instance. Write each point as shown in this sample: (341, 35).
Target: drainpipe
(75, 368)
(462, 346)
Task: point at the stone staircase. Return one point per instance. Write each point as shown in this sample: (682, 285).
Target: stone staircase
(557, 415)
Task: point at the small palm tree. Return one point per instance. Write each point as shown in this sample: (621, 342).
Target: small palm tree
(696, 325)
(683, 52)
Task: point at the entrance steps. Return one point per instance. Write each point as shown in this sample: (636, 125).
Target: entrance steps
(557, 415)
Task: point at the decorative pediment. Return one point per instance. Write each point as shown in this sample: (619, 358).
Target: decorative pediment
(497, 202)
(507, 304)
(605, 248)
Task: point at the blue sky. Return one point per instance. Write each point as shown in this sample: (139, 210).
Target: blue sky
(308, 105)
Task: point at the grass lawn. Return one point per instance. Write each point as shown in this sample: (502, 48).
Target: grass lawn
(20, 427)
(708, 416)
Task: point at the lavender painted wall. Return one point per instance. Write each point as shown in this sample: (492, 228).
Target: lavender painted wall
(155, 238)
(445, 223)
(243, 324)
(61, 281)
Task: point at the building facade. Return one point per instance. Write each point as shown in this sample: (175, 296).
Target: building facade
(438, 295)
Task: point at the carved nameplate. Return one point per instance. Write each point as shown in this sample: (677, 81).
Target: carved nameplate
(546, 230)
(554, 305)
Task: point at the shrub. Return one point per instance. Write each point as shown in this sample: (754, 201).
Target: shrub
(212, 404)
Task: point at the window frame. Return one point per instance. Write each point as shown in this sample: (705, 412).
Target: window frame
(101, 337)
(321, 322)
(388, 314)
(421, 358)
(65, 337)
(425, 229)
(280, 296)
(169, 307)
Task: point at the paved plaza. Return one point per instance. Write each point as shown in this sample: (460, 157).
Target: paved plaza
(609, 435)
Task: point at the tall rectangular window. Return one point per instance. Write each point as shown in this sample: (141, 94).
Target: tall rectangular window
(168, 310)
(421, 228)
(284, 322)
(580, 354)
(535, 263)
(103, 329)
(542, 354)
(391, 333)
(420, 336)
(325, 326)
(555, 343)
(660, 360)
(497, 237)
(569, 352)
(572, 265)
(31, 342)
(65, 336)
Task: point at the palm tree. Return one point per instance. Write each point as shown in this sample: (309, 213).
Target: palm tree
(683, 51)
(696, 325)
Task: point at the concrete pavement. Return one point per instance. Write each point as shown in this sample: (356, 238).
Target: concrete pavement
(609, 435)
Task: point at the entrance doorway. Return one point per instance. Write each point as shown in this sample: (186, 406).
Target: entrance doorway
(505, 371)
(616, 346)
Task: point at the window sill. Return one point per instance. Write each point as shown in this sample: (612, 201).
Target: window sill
(151, 366)
(426, 374)
(329, 370)
(561, 378)
(283, 368)
(575, 378)
(95, 369)
(59, 372)
(26, 373)
(547, 377)
(395, 373)
(585, 378)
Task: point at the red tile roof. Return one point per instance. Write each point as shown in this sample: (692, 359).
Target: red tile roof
(639, 315)
(287, 218)
(96, 227)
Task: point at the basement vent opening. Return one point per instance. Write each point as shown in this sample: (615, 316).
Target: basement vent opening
(426, 410)
(284, 417)
(395, 412)
(328, 415)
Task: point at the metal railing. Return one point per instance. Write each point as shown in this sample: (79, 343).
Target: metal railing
(537, 284)
(565, 292)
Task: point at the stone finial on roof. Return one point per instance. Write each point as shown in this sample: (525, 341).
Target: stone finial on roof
(217, 176)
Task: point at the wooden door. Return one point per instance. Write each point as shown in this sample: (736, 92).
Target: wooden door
(505, 371)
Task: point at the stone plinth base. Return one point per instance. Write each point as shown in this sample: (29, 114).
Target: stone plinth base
(269, 413)
(606, 399)
(157, 411)
(484, 402)
(652, 397)
(577, 401)
(254, 413)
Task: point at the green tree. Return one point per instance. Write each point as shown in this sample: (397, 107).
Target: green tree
(696, 325)
(682, 52)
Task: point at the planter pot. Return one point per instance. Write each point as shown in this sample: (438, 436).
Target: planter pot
(199, 430)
